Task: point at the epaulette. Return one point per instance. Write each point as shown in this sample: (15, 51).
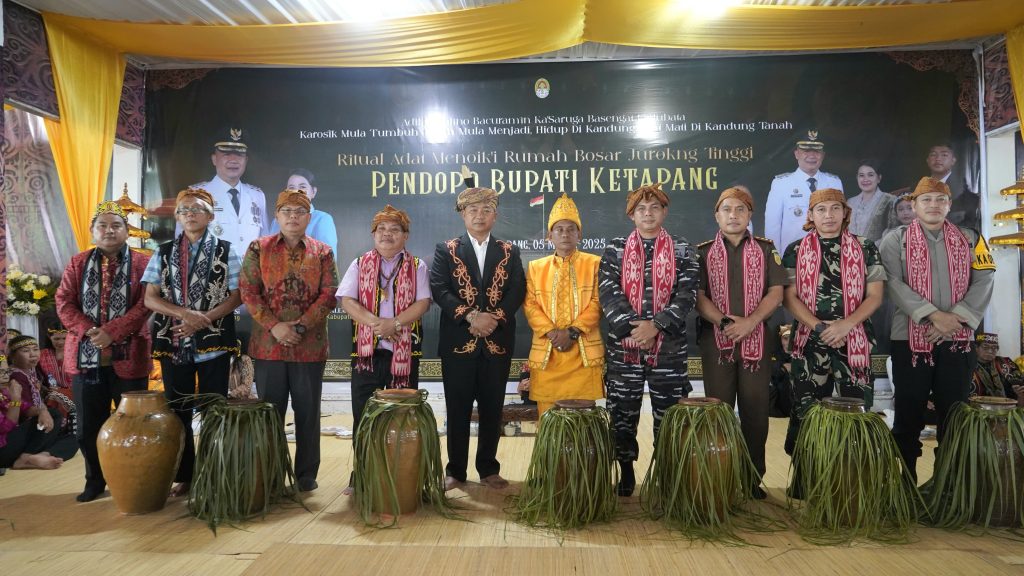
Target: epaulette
(256, 188)
(765, 240)
(705, 243)
(199, 185)
(783, 175)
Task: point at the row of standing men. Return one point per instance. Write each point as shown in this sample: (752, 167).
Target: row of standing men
(645, 285)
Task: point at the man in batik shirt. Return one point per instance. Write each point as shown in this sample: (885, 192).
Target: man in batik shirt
(288, 282)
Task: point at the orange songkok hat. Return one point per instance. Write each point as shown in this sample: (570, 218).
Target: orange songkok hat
(740, 193)
(197, 193)
(644, 194)
(827, 195)
(293, 197)
(391, 214)
(928, 185)
(474, 195)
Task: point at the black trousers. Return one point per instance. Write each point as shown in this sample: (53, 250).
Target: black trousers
(180, 389)
(947, 381)
(481, 379)
(276, 380)
(27, 439)
(92, 404)
(730, 382)
(378, 377)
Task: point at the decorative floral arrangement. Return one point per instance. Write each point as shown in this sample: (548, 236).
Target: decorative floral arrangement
(28, 294)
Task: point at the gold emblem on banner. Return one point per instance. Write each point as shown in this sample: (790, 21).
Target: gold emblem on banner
(542, 88)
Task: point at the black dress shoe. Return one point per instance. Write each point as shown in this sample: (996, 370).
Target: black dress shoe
(90, 493)
(627, 480)
(307, 484)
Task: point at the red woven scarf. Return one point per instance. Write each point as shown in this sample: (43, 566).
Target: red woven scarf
(919, 278)
(405, 294)
(663, 273)
(752, 347)
(853, 274)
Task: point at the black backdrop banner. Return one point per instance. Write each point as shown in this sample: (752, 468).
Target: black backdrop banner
(532, 131)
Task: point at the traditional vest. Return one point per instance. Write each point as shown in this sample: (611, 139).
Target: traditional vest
(211, 291)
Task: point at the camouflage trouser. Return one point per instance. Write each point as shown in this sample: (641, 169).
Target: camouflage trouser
(624, 384)
(820, 372)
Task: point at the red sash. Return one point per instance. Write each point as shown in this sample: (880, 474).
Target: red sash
(752, 347)
(405, 294)
(663, 275)
(853, 274)
(919, 278)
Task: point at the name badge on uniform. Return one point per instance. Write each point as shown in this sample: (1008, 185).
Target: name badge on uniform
(256, 214)
(796, 193)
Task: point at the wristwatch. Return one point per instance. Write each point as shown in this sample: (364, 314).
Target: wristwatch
(300, 329)
(574, 334)
(820, 327)
(398, 325)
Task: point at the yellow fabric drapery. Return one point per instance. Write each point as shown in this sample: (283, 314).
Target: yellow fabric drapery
(473, 35)
(527, 27)
(88, 78)
(663, 24)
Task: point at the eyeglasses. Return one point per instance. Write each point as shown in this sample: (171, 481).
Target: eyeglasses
(288, 212)
(192, 210)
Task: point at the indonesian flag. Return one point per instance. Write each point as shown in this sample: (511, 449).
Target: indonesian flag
(537, 201)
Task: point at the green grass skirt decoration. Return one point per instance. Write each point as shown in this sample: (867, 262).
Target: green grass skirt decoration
(242, 462)
(701, 473)
(979, 471)
(851, 476)
(398, 458)
(572, 476)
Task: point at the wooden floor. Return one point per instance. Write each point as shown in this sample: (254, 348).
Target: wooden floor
(44, 531)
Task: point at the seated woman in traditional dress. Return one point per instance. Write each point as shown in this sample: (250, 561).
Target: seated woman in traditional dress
(30, 443)
(39, 395)
(57, 382)
(51, 358)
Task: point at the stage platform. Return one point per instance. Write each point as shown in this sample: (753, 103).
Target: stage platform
(44, 531)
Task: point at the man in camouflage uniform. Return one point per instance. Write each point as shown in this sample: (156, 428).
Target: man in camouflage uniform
(832, 335)
(647, 286)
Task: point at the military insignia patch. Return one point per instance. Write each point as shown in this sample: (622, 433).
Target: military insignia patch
(778, 259)
(798, 211)
(982, 257)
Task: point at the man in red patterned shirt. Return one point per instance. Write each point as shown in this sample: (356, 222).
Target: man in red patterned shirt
(288, 282)
(107, 352)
